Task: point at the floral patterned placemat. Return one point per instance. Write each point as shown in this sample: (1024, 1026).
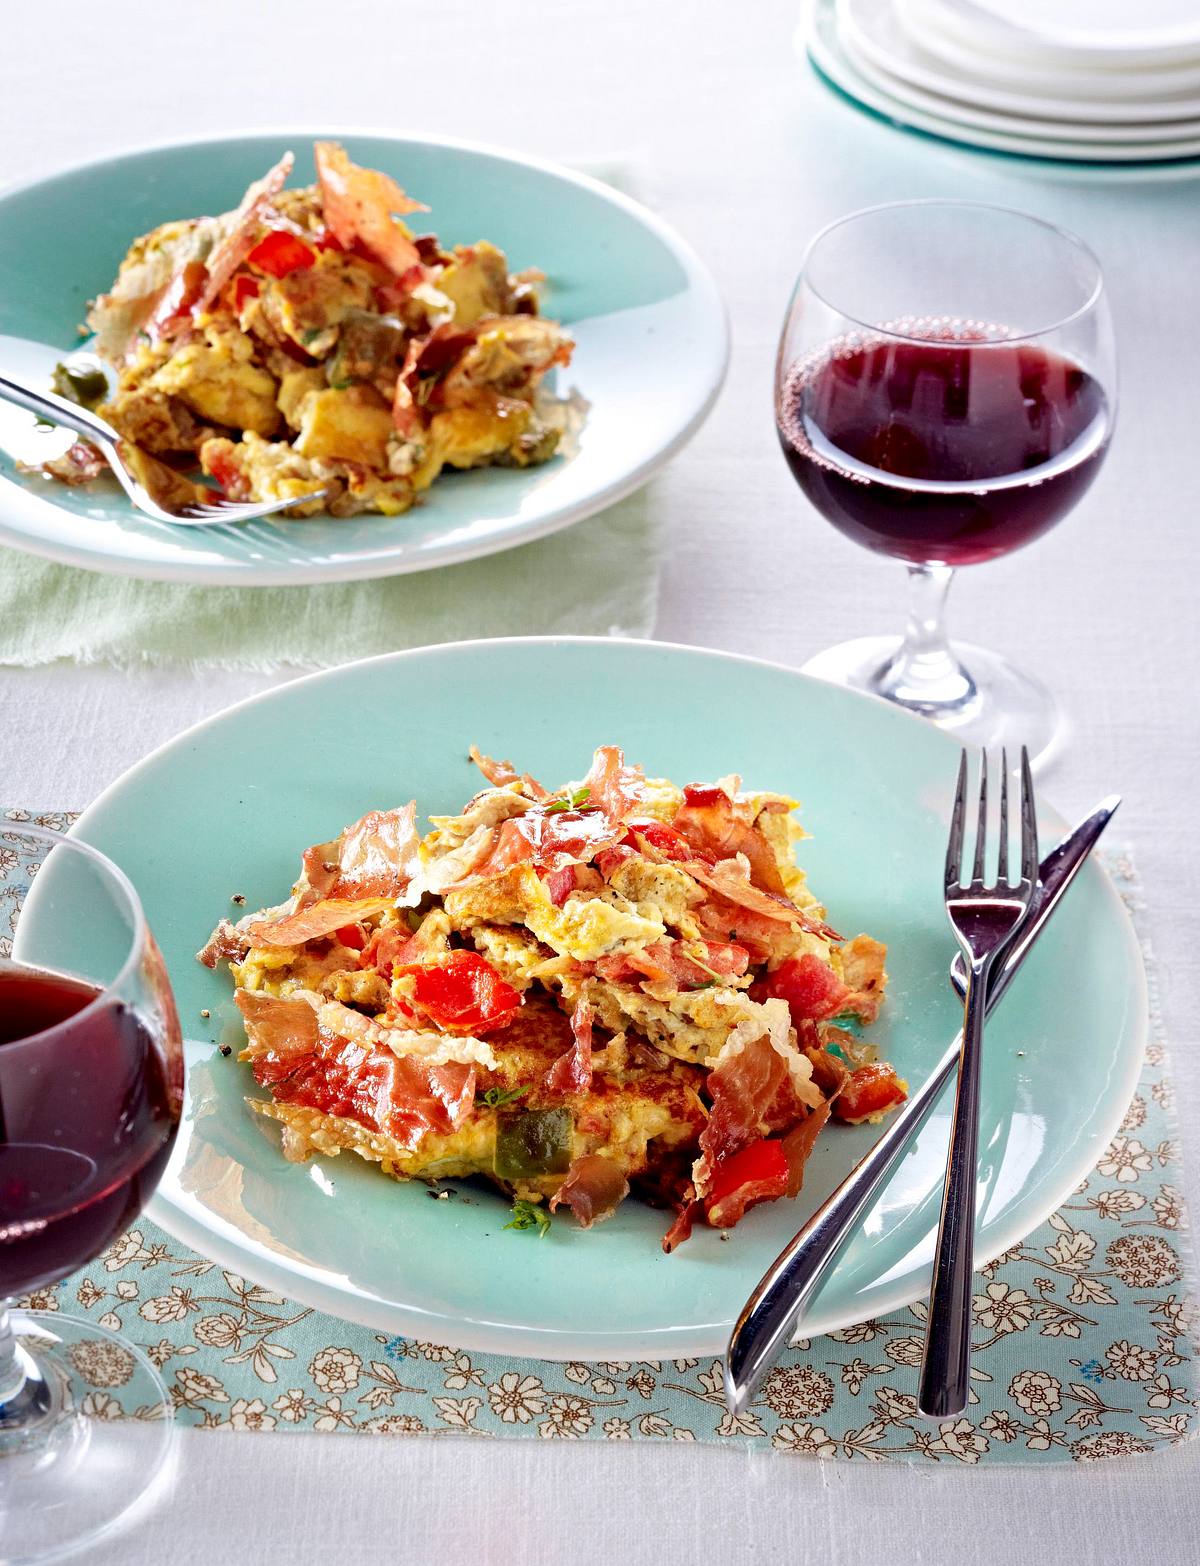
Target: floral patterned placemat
(1084, 1343)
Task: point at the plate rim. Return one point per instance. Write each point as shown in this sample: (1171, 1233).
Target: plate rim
(812, 50)
(1004, 94)
(964, 113)
(701, 283)
(558, 1345)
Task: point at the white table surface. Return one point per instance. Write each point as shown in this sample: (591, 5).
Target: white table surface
(748, 155)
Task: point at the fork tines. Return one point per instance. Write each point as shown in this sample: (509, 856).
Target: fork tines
(954, 846)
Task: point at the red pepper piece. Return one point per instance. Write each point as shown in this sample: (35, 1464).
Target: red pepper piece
(463, 994)
(759, 1173)
(872, 1090)
(811, 988)
(280, 252)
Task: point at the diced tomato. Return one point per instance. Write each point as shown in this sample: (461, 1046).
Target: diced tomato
(759, 1173)
(660, 836)
(704, 795)
(727, 959)
(281, 252)
(228, 474)
(324, 240)
(463, 994)
(811, 988)
(871, 1090)
(353, 936)
(244, 289)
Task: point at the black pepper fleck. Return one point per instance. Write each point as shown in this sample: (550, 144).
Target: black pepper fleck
(239, 898)
(226, 1049)
(205, 1012)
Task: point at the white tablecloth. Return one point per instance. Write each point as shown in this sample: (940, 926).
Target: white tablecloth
(748, 155)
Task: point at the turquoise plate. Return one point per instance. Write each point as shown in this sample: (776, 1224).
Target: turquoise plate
(648, 322)
(227, 807)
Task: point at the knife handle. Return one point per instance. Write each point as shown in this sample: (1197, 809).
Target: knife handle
(777, 1305)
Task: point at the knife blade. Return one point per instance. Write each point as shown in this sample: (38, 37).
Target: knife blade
(777, 1305)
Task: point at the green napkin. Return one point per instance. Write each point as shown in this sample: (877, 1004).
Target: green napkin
(599, 577)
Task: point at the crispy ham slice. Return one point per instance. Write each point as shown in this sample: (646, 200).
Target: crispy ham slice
(613, 787)
(863, 974)
(240, 238)
(396, 945)
(305, 1062)
(317, 919)
(572, 1071)
(551, 840)
(799, 1143)
(226, 944)
(278, 1029)
(681, 1229)
(667, 962)
(362, 205)
(375, 856)
(730, 879)
(709, 820)
(503, 773)
(593, 1189)
(758, 1083)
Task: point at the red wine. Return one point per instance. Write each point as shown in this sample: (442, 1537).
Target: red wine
(950, 451)
(87, 1118)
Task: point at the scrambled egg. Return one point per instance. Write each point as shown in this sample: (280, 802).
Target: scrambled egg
(587, 981)
(308, 342)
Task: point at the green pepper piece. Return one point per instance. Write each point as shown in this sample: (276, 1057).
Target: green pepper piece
(82, 382)
(534, 1142)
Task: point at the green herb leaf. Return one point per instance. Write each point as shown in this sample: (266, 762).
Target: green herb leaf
(351, 380)
(44, 424)
(496, 1097)
(311, 335)
(571, 802)
(529, 1215)
(707, 985)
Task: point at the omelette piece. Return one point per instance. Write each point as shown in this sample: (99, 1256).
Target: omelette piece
(308, 343)
(619, 984)
(517, 1132)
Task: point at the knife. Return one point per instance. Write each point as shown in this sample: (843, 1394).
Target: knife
(777, 1305)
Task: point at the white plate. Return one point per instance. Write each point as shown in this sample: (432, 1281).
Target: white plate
(1154, 94)
(1106, 33)
(648, 322)
(889, 30)
(818, 38)
(859, 55)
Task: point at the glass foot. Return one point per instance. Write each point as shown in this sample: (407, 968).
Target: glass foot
(86, 1437)
(985, 702)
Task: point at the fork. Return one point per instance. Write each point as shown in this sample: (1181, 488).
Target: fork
(986, 920)
(48, 405)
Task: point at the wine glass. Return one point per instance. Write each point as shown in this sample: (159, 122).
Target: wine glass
(945, 392)
(91, 1086)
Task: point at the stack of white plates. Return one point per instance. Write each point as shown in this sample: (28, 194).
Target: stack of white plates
(1095, 81)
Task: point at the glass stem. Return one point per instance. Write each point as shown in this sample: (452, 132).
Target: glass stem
(12, 1372)
(924, 673)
